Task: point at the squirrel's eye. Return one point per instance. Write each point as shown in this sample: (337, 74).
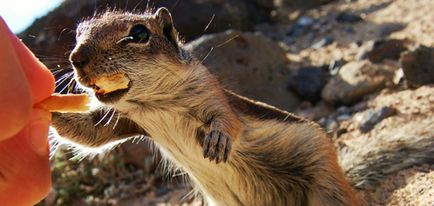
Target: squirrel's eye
(139, 34)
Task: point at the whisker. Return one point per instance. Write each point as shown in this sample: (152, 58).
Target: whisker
(50, 56)
(135, 7)
(52, 63)
(67, 85)
(105, 115)
(124, 39)
(220, 45)
(72, 87)
(63, 78)
(117, 121)
(227, 41)
(190, 194)
(63, 30)
(206, 56)
(63, 88)
(59, 70)
(209, 23)
(149, 6)
(55, 72)
(126, 5)
(58, 83)
(67, 53)
(51, 59)
(110, 118)
(77, 88)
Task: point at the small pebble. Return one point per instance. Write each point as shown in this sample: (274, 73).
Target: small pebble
(305, 21)
(345, 17)
(343, 117)
(323, 42)
(335, 65)
(368, 119)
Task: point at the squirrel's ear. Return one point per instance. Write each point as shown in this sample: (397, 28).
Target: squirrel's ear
(164, 17)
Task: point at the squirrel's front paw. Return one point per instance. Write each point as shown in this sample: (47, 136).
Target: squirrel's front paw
(217, 146)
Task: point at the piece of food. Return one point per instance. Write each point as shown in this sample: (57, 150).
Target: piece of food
(110, 83)
(66, 103)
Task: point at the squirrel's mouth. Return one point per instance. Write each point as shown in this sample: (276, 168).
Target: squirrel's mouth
(111, 96)
(110, 87)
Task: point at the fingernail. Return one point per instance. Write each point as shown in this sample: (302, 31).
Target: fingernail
(39, 131)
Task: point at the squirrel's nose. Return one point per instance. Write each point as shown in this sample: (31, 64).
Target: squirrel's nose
(80, 57)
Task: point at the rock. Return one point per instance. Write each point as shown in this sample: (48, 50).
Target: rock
(369, 118)
(305, 21)
(387, 29)
(398, 76)
(353, 81)
(335, 66)
(301, 26)
(378, 50)
(307, 82)
(323, 42)
(346, 17)
(343, 110)
(418, 65)
(300, 4)
(249, 64)
(343, 117)
(329, 124)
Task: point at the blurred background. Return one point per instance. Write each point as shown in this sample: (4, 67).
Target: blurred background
(363, 69)
(20, 17)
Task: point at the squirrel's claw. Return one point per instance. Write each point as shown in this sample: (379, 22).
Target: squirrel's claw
(217, 146)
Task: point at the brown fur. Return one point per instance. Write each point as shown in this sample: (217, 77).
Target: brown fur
(270, 157)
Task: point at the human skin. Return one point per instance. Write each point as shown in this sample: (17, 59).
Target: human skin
(24, 81)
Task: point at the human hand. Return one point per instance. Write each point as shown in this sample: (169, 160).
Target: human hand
(24, 81)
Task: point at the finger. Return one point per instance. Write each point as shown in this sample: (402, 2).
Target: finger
(15, 99)
(24, 165)
(40, 79)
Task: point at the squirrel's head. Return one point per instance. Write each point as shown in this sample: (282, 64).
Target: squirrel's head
(145, 47)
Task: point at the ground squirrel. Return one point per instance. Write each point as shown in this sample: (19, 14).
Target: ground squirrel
(235, 151)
